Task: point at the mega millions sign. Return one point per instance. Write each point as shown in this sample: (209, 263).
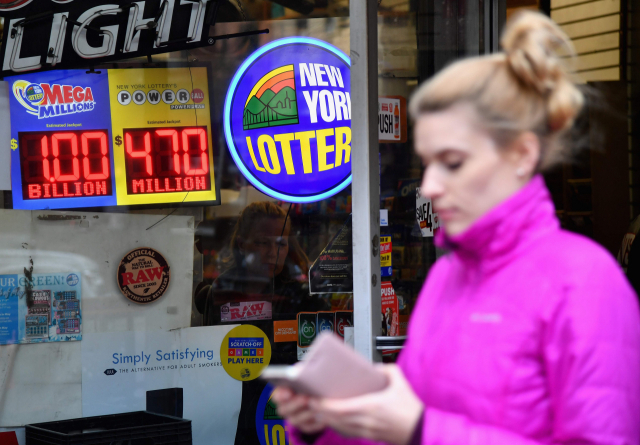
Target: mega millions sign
(45, 100)
(287, 119)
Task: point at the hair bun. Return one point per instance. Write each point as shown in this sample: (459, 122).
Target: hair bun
(531, 42)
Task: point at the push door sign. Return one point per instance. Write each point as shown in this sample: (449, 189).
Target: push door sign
(287, 119)
(143, 275)
(392, 119)
(425, 217)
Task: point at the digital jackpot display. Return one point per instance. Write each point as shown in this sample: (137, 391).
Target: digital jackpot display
(65, 164)
(166, 160)
(120, 137)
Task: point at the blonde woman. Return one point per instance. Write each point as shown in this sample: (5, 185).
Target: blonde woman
(524, 333)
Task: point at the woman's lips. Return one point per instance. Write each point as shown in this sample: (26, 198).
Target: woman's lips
(446, 214)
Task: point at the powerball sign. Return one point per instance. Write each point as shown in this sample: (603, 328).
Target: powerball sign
(287, 119)
(162, 135)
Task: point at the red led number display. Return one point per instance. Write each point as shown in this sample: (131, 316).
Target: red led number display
(164, 160)
(65, 164)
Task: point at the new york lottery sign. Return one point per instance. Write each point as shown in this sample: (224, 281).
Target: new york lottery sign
(287, 119)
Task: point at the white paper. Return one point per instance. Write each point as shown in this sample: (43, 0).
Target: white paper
(349, 337)
(427, 219)
(384, 217)
(211, 398)
(43, 382)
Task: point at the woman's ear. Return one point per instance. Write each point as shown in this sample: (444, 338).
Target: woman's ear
(240, 245)
(525, 154)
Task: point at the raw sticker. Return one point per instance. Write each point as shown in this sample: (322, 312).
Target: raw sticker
(252, 310)
(143, 275)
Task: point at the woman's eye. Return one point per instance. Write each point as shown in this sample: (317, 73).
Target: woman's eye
(454, 165)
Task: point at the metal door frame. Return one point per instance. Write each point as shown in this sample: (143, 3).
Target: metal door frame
(365, 161)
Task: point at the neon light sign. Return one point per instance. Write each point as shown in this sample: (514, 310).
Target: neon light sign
(287, 119)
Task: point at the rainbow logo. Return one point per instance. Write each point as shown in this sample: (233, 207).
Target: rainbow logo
(272, 101)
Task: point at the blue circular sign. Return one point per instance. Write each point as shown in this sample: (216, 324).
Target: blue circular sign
(287, 119)
(34, 93)
(269, 425)
(72, 279)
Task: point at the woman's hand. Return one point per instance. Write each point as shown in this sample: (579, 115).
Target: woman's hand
(390, 415)
(295, 409)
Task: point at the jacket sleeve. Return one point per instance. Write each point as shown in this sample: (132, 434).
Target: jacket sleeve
(591, 353)
(328, 437)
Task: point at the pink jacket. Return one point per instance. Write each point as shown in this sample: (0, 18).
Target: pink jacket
(525, 334)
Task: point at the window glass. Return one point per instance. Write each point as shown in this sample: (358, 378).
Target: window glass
(239, 291)
(415, 40)
(594, 194)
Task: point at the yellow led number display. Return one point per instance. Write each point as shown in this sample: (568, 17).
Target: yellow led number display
(161, 129)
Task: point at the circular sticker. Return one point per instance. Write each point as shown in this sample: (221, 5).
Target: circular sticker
(143, 275)
(72, 279)
(197, 95)
(287, 119)
(269, 425)
(244, 352)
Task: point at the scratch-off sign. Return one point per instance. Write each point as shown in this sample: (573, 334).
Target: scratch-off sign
(245, 352)
(287, 119)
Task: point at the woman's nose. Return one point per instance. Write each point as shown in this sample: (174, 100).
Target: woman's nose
(272, 249)
(431, 186)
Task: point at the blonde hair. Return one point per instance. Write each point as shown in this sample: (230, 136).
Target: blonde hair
(527, 87)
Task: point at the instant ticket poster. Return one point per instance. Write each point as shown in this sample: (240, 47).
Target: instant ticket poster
(44, 308)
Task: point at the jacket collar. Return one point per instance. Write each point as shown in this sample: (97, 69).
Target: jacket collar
(497, 235)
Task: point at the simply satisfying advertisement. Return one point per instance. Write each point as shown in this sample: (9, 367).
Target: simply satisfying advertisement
(122, 370)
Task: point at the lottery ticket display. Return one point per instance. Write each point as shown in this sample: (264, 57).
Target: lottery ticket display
(42, 308)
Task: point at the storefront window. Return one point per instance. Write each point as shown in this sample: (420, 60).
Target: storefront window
(593, 195)
(415, 41)
(173, 302)
(207, 230)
